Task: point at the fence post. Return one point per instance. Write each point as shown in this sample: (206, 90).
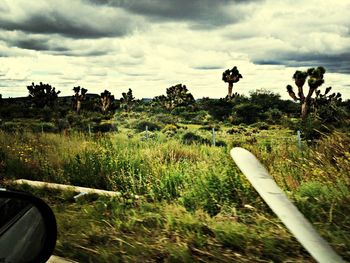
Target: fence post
(89, 127)
(146, 133)
(42, 128)
(116, 121)
(299, 139)
(214, 137)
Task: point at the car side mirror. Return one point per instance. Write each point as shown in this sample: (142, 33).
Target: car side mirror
(28, 229)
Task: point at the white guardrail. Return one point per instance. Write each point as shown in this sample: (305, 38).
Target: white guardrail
(289, 214)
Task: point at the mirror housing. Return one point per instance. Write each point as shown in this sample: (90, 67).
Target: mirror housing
(28, 229)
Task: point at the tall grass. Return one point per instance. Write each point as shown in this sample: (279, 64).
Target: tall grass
(195, 177)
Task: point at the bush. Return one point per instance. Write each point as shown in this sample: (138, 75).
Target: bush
(170, 127)
(219, 109)
(105, 127)
(191, 138)
(247, 113)
(150, 135)
(210, 127)
(141, 126)
(273, 115)
(179, 110)
(170, 130)
(165, 118)
(238, 129)
(260, 125)
(220, 143)
(11, 127)
(45, 127)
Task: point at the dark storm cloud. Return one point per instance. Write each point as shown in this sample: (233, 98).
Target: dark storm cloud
(267, 62)
(85, 22)
(208, 68)
(54, 45)
(78, 53)
(339, 63)
(200, 12)
(37, 44)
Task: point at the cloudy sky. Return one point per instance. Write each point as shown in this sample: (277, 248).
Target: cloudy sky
(149, 45)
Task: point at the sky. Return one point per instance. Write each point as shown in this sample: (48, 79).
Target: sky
(150, 45)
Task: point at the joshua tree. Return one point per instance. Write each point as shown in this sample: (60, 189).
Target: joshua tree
(42, 94)
(106, 100)
(161, 101)
(78, 97)
(178, 95)
(127, 100)
(315, 80)
(231, 76)
(326, 106)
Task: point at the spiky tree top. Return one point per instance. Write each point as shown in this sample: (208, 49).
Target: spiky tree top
(42, 94)
(178, 95)
(321, 102)
(327, 106)
(127, 97)
(231, 76)
(106, 94)
(106, 100)
(127, 100)
(81, 90)
(78, 98)
(315, 80)
(323, 99)
(315, 77)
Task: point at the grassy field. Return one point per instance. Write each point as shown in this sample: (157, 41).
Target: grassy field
(182, 199)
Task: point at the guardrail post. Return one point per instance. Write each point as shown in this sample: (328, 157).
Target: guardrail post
(89, 128)
(214, 142)
(146, 133)
(299, 139)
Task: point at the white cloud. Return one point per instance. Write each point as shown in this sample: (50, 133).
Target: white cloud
(268, 45)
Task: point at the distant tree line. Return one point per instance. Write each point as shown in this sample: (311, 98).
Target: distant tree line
(261, 105)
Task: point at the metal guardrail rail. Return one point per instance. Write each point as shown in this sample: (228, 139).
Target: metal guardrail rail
(289, 214)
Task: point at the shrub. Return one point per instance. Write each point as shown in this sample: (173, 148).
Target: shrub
(179, 110)
(105, 127)
(238, 129)
(141, 126)
(45, 127)
(96, 119)
(247, 113)
(210, 127)
(150, 135)
(233, 131)
(191, 138)
(12, 127)
(220, 143)
(166, 118)
(170, 127)
(170, 130)
(273, 115)
(260, 125)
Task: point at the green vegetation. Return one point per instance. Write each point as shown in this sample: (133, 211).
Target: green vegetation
(192, 203)
(182, 198)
